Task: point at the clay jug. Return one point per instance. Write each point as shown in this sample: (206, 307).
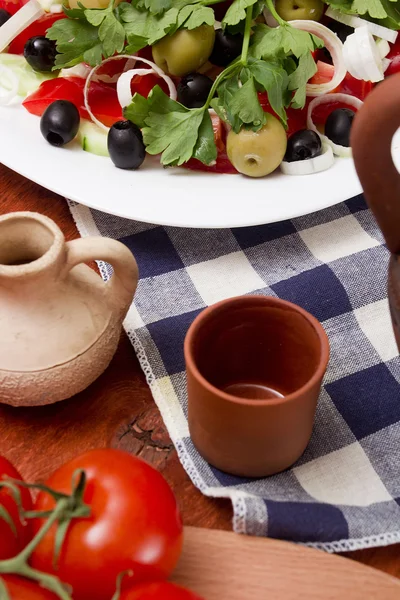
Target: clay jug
(371, 138)
(59, 322)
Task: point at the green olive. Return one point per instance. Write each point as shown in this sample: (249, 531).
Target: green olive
(257, 153)
(300, 9)
(185, 51)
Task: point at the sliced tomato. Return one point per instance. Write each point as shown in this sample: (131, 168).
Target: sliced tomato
(103, 99)
(324, 73)
(143, 84)
(12, 6)
(394, 57)
(354, 87)
(39, 27)
(322, 111)
(296, 118)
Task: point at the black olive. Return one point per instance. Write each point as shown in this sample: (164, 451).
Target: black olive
(341, 30)
(60, 122)
(227, 47)
(4, 16)
(193, 90)
(338, 125)
(125, 145)
(40, 53)
(302, 145)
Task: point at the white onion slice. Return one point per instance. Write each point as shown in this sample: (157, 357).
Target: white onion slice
(361, 56)
(56, 9)
(25, 16)
(335, 47)
(353, 21)
(124, 82)
(385, 64)
(82, 70)
(383, 47)
(345, 99)
(311, 165)
(6, 94)
(269, 18)
(89, 79)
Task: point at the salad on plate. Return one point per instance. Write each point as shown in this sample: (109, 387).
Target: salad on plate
(224, 86)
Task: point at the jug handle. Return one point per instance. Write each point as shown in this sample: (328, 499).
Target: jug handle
(371, 137)
(123, 283)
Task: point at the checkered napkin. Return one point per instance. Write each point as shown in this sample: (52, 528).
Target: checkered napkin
(344, 492)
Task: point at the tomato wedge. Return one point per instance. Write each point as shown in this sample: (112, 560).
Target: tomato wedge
(103, 99)
(296, 118)
(12, 542)
(39, 27)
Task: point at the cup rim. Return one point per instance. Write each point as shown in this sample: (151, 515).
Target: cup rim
(43, 261)
(267, 301)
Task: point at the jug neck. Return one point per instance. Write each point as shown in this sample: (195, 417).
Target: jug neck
(32, 250)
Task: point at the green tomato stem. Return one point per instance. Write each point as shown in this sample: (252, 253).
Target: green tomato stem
(271, 7)
(19, 564)
(247, 33)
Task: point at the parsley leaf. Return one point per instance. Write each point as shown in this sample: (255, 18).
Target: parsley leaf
(77, 41)
(272, 42)
(157, 7)
(373, 7)
(273, 79)
(172, 129)
(194, 15)
(385, 12)
(205, 149)
(137, 111)
(245, 107)
(237, 12)
(298, 79)
(145, 25)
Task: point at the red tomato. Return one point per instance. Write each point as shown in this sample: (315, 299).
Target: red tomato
(12, 6)
(324, 73)
(103, 99)
(354, 87)
(11, 544)
(161, 590)
(134, 525)
(394, 57)
(322, 112)
(296, 118)
(39, 27)
(19, 588)
(143, 84)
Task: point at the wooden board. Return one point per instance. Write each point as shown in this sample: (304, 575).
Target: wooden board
(220, 565)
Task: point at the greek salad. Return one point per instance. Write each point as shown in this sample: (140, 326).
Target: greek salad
(224, 86)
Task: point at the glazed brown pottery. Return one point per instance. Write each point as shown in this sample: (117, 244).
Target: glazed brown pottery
(254, 370)
(371, 138)
(60, 323)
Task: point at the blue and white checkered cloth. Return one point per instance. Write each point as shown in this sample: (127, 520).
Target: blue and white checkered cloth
(344, 492)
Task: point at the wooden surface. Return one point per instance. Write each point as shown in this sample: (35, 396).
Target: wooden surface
(218, 564)
(117, 410)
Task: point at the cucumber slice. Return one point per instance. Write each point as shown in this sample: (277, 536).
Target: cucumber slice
(29, 80)
(93, 139)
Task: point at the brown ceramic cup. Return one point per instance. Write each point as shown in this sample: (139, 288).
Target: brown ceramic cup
(254, 370)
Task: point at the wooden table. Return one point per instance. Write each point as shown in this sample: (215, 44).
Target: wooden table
(117, 410)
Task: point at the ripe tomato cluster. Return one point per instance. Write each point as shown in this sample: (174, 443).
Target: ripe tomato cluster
(120, 529)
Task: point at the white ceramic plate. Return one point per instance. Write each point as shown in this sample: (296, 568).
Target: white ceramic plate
(167, 196)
